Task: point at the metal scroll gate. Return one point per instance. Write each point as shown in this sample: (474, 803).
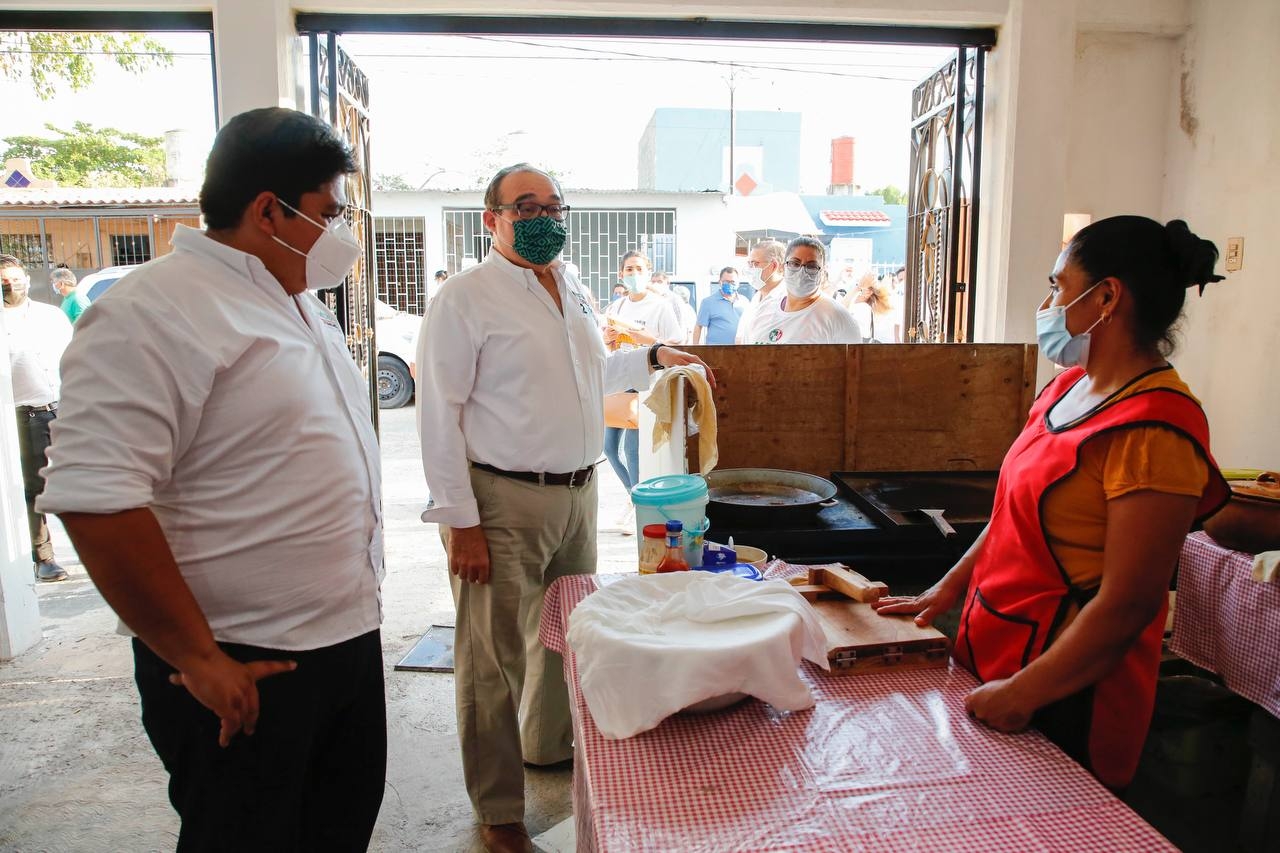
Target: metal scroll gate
(942, 212)
(598, 237)
(340, 96)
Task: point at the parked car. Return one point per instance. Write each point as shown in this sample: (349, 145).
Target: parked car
(397, 333)
(95, 284)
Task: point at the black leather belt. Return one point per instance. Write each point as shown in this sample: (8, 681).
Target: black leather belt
(48, 407)
(573, 479)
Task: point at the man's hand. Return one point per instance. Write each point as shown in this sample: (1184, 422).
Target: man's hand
(229, 689)
(469, 554)
(672, 357)
(1001, 705)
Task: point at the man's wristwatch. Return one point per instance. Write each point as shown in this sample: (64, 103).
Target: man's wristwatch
(653, 356)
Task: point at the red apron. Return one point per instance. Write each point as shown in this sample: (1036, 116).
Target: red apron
(1019, 595)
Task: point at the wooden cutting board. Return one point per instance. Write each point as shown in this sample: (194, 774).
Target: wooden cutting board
(861, 640)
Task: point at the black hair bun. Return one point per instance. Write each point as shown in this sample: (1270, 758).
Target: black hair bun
(1194, 257)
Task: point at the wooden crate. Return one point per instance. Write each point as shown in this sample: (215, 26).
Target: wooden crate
(874, 407)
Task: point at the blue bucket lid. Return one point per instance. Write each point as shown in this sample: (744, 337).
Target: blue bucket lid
(669, 490)
(742, 570)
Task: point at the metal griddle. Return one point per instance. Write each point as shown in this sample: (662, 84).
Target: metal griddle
(891, 497)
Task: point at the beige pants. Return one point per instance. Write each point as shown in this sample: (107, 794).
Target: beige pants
(513, 705)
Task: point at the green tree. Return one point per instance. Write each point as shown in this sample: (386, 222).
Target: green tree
(890, 194)
(383, 182)
(49, 60)
(88, 156)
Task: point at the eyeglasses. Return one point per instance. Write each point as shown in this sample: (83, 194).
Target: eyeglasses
(812, 266)
(531, 209)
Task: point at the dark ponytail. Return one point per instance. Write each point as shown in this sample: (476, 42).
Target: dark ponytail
(1156, 262)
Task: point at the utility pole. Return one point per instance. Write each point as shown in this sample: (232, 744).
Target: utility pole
(732, 128)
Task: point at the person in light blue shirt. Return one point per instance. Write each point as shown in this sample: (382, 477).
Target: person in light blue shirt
(719, 314)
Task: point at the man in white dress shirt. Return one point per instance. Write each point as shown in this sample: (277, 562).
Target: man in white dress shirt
(764, 265)
(512, 376)
(37, 334)
(216, 467)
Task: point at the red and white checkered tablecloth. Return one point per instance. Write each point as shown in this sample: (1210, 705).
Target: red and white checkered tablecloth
(882, 762)
(1227, 622)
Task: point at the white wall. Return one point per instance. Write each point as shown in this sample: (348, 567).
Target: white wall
(19, 612)
(1119, 115)
(255, 47)
(1223, 177)
(1030, 75)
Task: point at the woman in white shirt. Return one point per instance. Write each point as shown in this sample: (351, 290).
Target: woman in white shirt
(641, 318)
(871, 306)
(804, 315)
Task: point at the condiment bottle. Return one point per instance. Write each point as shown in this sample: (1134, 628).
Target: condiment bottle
(673, 560)
(653, 547)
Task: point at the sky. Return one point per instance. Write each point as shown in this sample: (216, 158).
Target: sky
(446, 109)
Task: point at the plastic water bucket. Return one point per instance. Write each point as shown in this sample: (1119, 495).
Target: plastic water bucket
(680, 497)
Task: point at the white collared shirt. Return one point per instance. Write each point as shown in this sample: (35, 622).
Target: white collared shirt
(505, 379)
(37, 334)
(196, 388)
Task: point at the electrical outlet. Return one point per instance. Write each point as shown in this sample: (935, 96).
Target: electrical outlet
(1235, 253)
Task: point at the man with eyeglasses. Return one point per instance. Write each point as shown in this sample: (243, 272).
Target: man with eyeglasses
(512, 378)
(764, 266)
(803, 314)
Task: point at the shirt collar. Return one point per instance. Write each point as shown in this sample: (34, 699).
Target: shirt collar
(524, 275)
(195, 241)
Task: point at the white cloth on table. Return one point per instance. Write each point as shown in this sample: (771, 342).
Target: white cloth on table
(648, 646)
(1266, 566)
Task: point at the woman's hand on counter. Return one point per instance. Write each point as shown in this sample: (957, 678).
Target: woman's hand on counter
(940, 597)
(1001, 705)
(928, 605)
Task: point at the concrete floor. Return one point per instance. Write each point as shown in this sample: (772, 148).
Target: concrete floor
(76, 769)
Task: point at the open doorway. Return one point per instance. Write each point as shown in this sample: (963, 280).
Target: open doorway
(690, 150)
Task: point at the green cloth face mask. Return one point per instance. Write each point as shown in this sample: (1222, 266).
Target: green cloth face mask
(539, 240)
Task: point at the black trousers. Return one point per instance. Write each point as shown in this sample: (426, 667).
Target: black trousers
(311, 776)
(33, 444)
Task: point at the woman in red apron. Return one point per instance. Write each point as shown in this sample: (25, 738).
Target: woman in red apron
(1064, 592)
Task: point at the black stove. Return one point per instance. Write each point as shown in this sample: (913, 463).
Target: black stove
(906, 556)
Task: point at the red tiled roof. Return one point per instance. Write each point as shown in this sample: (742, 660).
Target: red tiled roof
(106, 196)
(854, 217)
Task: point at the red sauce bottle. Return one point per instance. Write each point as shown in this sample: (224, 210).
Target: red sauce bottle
(673, 560)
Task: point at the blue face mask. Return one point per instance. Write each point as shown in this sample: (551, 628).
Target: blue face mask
(728, 288)
(1057, 343)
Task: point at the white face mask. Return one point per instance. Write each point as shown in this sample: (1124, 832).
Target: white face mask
(331, 257)
(802, 282)
(754, 278)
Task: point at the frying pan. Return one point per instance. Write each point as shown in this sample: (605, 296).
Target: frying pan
(759, 489)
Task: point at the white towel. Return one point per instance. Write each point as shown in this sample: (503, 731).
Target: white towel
(1266, 567)
(648, 646)
(661, 401)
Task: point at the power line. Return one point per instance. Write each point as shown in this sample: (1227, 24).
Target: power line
(716, 62)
